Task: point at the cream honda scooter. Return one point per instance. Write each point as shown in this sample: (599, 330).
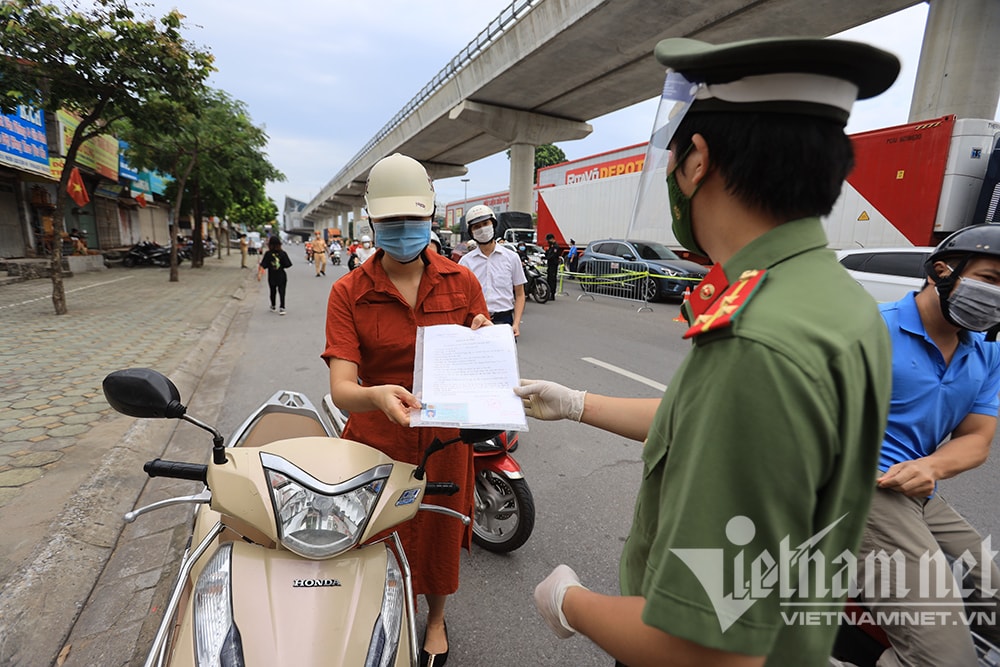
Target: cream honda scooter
(282, 568)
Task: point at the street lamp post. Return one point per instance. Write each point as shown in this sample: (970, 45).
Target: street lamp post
(465, 201)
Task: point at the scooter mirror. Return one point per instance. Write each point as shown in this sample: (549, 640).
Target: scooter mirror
(471, 436)
(143, 392)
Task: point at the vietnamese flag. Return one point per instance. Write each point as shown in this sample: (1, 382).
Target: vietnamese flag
(140, 199)
(75, 188)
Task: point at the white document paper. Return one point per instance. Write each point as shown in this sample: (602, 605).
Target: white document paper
(465, 378)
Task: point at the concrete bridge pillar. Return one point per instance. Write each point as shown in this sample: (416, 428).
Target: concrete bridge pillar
(522, 130)
(349, 230)
(522, 177)
(959, 70)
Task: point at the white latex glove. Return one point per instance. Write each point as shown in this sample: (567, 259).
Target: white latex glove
(549, 596)
(549, 401)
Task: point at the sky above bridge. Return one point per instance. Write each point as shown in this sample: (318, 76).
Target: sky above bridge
(323, 76)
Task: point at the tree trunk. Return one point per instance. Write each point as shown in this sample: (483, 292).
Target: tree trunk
(174, 262)
(174, 277)
(55, 265)
(198, 252)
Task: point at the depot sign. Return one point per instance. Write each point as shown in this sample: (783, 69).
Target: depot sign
(627, 165)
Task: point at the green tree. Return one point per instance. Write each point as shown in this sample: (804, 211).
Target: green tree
(254, 215)
(545, 156)
(213, 151)
(104, 63)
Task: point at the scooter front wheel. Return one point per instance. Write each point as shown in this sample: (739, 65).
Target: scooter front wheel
(505, 512)
(540, 291)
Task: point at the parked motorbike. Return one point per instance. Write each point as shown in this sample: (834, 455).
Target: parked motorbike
(860, 644)
(505, 508)
(281, 568)
(537, 286)
(147, 253)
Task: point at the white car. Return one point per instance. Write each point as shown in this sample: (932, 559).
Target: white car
(888, 274)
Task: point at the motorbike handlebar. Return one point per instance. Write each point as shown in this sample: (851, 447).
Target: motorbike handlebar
(441, 489)
(195, 472)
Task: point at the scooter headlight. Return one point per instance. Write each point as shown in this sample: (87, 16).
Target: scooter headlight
(385, 636)
(319, 520)
(217, 639)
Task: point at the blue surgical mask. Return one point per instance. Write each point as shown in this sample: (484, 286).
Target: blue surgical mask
(403, 240)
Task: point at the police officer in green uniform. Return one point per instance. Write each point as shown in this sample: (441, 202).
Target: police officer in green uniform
(759, 458)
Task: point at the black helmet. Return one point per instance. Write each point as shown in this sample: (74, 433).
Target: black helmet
(963, 245)
(972, 240)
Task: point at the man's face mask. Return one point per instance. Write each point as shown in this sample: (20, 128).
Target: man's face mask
(403, 240)
(973, 305)
(484, 234)
(680, 208)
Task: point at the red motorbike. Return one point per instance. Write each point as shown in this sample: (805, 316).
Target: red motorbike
(504, 507)
(860, 642)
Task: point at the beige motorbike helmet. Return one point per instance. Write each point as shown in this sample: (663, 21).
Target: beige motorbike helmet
(398, 185)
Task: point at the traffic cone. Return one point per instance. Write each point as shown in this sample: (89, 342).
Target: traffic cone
(687, 297)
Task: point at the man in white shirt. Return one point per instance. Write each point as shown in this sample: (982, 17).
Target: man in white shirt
(498, 269)
(365, 250)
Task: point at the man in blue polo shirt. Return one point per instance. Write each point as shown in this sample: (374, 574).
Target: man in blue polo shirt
(943, 415)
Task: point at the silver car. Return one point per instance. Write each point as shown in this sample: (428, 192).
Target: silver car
(888, 274)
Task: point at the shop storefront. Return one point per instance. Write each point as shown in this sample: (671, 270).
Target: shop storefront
(23, 154)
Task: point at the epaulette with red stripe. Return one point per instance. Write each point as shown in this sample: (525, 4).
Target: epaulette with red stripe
(727, 307)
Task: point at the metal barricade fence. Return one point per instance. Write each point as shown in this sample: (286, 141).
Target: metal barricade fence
(615, 278)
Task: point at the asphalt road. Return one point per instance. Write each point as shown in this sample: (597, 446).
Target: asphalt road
(583, 480)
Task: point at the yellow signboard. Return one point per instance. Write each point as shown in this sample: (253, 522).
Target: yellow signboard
(99, 153)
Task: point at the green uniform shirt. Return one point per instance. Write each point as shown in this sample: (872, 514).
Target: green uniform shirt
(767, 436)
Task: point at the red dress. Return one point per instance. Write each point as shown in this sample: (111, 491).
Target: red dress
(369, 323)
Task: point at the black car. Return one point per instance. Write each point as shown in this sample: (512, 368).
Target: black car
(672, 274)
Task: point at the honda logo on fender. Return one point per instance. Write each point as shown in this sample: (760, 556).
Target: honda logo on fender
(314, 583)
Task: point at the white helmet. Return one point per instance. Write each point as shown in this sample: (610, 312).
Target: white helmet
(436, 239)
(399, 185)
(366, 239)
(479, 213)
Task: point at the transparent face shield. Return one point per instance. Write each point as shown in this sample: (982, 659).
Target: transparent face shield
(651, 210)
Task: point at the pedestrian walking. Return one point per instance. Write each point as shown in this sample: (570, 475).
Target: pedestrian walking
(573, 256)
(244, 250)
(319, 254)
(497, 267)
(275, 261)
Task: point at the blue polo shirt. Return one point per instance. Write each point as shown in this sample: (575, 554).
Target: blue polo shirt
(929, 398)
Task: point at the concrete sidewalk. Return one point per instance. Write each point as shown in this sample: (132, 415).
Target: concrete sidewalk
(70, 467)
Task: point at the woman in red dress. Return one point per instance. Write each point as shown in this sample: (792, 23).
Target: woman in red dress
(372, 319)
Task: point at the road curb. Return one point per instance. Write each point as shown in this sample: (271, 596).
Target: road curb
(41, 603)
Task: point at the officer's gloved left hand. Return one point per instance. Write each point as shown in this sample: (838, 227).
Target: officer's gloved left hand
(549, 596)
(549, 401)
